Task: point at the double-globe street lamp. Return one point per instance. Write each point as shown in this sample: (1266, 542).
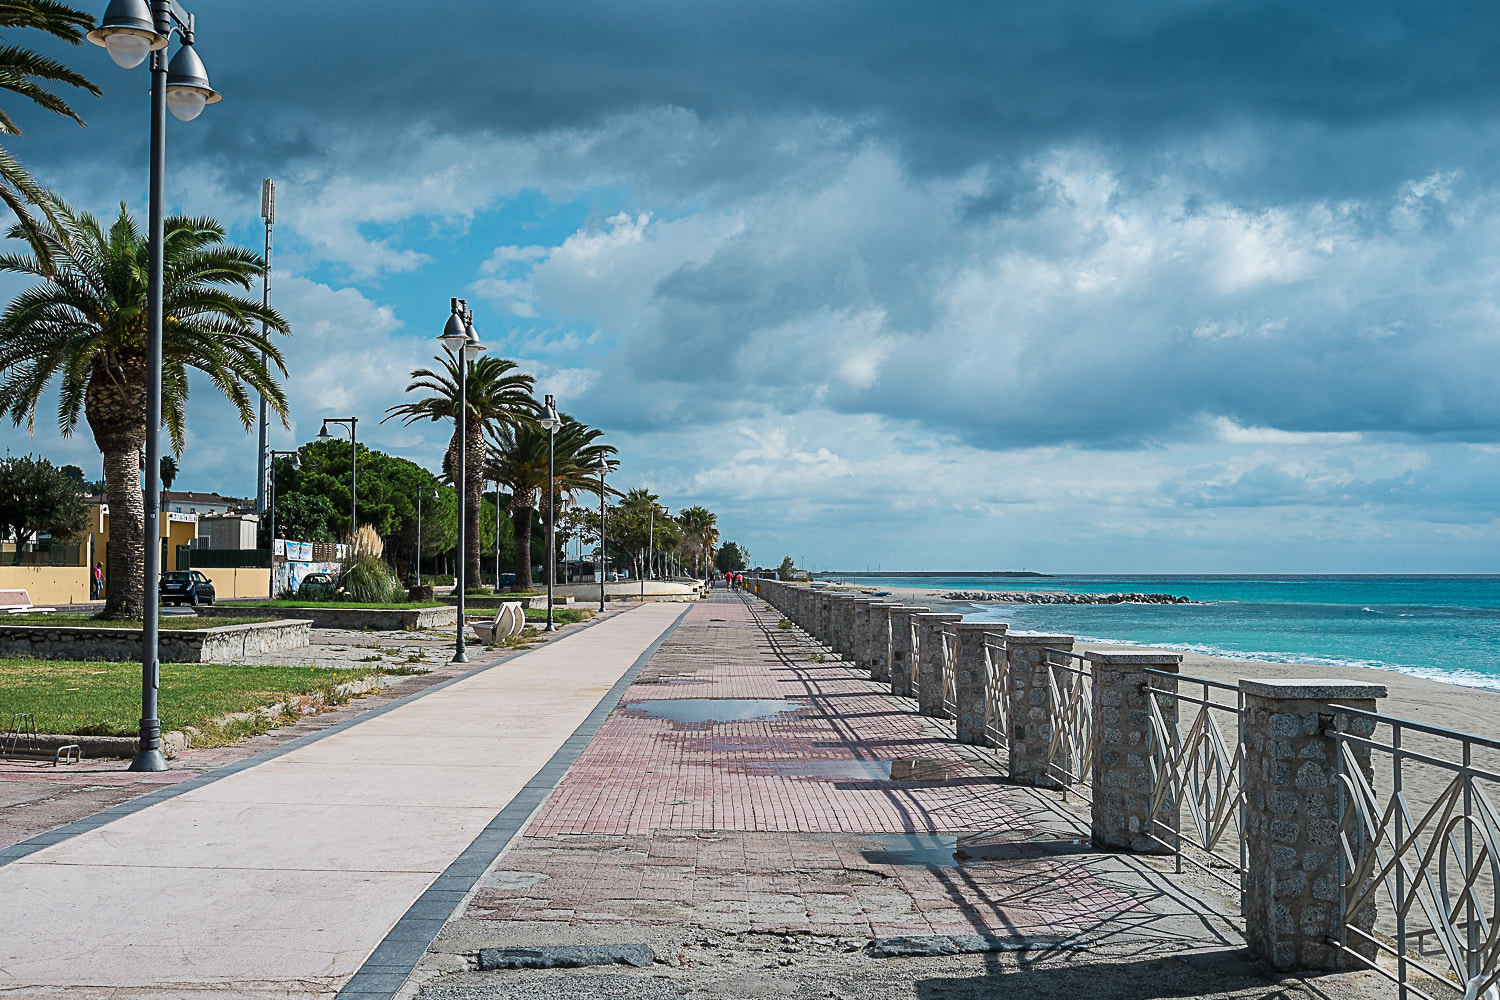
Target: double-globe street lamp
(271, 507)
(131, 31)
(550, 423)
(323, 438)
(462, 342)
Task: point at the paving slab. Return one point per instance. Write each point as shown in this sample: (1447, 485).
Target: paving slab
(283, 879)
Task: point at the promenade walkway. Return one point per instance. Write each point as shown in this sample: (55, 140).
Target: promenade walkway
(281, 879)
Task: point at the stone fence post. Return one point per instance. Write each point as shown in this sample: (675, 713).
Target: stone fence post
(1292, 899)
(902, 649)
(843, 625)
(929, 663)
(878, 641)
(1121, 811)
(971, 681)
(1029, 707)
(822, 610)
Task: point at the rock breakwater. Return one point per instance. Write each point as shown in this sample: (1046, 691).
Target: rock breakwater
(1055, 597)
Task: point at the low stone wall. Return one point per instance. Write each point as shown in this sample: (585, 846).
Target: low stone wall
(198, 645)
(377, 619)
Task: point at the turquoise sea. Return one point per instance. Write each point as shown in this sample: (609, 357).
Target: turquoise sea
(1443, 627)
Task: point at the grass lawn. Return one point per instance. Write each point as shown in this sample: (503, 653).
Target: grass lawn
(561, 616)
(407, 606)
(104, 699)
(93, 621)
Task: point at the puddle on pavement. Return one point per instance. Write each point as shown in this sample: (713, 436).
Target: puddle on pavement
(702, 710)
(899, 769)
(937, 850)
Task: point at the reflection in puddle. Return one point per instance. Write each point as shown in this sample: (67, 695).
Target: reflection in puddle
(700, 710)
(939, 850)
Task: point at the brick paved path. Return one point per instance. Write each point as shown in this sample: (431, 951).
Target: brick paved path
(776, 823)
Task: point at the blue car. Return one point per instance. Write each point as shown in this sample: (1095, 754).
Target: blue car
(186, 586)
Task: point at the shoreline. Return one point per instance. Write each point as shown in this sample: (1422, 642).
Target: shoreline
(1420, 699)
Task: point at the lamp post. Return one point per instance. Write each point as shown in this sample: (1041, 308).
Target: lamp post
(432, 493)
(271, 506)
(601, 467)
(550, 423)
(323, 438)
(268, 213)
(461, 341)
(131, 31)
(497, 536)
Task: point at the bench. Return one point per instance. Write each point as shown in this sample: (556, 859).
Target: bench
(509, 621)
(18, 602)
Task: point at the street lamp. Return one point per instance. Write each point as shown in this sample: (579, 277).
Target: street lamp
(432, 493)
(601, 467)
(271, 505)
(550, 423)
(323, 438)
(132, 30)
(461, 341)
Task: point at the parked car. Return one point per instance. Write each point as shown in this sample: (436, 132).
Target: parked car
(186, 586)
(318, 586)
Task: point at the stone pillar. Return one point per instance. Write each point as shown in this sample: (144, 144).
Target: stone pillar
(838, 624)
(859, 630)
(929, 663)
(901, 649)
(970, 679)
(848, 633)
(878, 641)
(1292, 900)
(1121, 812)
(1028, 708)
(820, 609)
(804, 609)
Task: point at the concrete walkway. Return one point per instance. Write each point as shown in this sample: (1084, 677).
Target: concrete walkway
(282, 878)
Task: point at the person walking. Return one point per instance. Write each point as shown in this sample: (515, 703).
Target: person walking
(97, 578)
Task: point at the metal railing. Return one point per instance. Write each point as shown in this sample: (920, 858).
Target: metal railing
(996, 690)
(1195, 769)
(1070, 692)
(950, 673)
(1430, 847)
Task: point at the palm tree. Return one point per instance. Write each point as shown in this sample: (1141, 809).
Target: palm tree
(86, 324)
(520, 465)
(499, 396)
(23, 72)
(700, 528)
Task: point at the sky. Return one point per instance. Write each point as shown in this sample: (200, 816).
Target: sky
(1184, 286)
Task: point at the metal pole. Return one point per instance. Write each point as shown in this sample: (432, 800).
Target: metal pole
(602, 558)
(268, 212)
(420, 491)
(353, 476)
(148, 756)
(271, 538)
(459, 655)
(551, 524)
(497, 536)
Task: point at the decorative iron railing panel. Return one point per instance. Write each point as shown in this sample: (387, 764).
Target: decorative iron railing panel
(950, 673)
(1197, 774)
(1070, 693)
(996, 692)
(1429, 847)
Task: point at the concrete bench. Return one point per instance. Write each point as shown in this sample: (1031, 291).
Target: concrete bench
(18, 602)
(509, 621)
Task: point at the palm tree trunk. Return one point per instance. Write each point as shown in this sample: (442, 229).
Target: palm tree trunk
(115, 407)
(520, 515)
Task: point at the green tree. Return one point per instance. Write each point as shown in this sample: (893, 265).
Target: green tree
(168, 471)
(25, 73)
(732, 557)
(700, 529)
(37, 498)
(787, 570)
(498, 395)
(86, 325)
(519, 464)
